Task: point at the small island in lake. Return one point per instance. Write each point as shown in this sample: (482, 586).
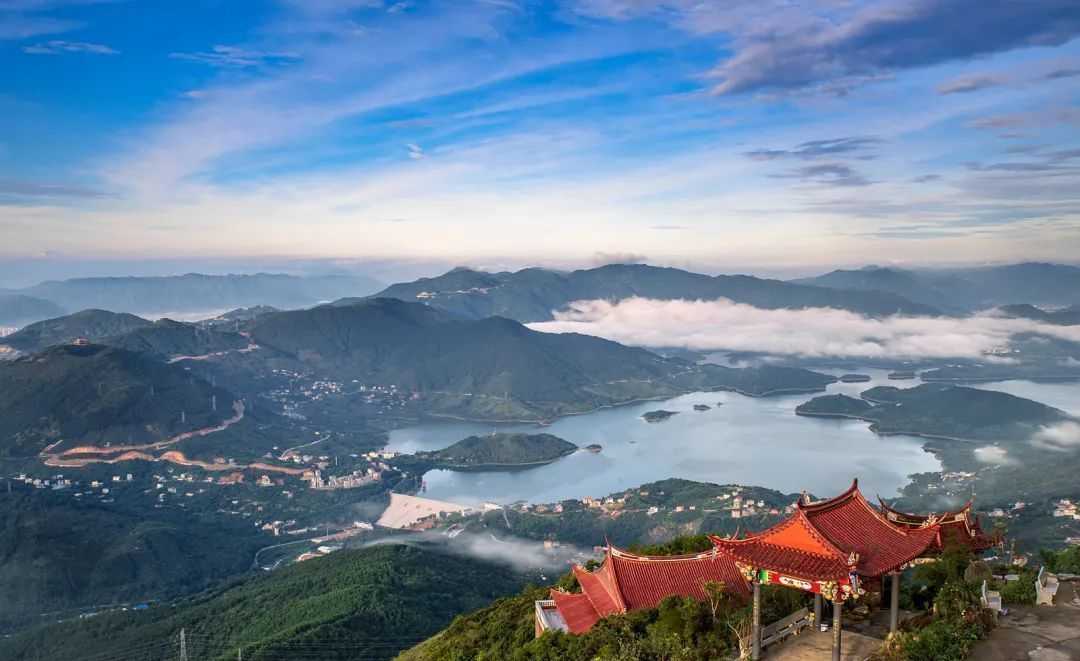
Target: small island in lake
(500, 451)
(940, 411)
(902, 375)
(854, 378)
(658, 415)
(594, 448)
(702, 407)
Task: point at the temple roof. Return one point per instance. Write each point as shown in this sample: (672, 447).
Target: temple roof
(626, 582)
(828, 540)
(855, 526)
(792, 547)
(576, 610)
(959, 526)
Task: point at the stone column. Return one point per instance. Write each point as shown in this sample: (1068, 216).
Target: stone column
(817, 611)
(837, 620)
(755, 631)
(894, 603)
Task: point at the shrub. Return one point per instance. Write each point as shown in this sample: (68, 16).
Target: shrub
(1021, 592)
(942, 640)
(956, 599)
(1066, 561)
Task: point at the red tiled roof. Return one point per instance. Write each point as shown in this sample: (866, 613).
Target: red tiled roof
(958, 526)
(818, 541)
(853, 525)
(601, 588)
(793, 547)
(646, 580)
(576, 610)
(626, 582)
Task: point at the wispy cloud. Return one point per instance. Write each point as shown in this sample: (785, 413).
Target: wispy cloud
(827, 174)
(57, 47)
(10, 188)
(234, 56)
(969, 84)
(819, 149)
(1059, 74)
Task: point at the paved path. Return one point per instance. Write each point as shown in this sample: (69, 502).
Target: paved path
(817, 646)
(1037, 633)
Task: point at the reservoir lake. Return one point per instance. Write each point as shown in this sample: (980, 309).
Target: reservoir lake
(743, 440)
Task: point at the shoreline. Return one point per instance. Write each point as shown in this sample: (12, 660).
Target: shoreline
(873, 427)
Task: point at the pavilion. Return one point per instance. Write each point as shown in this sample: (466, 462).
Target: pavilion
(830, 548)
(625, 582)
(833, 548)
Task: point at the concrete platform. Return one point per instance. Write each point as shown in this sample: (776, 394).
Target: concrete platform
(1037, 633)
(817, 646)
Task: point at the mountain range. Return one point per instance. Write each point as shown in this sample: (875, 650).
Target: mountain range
(493, 368)
(964, 289)
(533, 294)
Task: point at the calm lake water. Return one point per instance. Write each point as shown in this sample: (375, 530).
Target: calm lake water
(745, 440)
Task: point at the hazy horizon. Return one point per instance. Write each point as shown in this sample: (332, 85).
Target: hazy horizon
(23, 273)
(746, 136)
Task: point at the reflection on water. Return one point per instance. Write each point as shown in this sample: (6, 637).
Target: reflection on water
(744, 440)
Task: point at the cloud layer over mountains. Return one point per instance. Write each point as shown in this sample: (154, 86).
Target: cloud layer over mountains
(813, 332)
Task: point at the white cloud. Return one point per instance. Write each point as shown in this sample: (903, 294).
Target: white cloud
(57, 47)
(1062, 436)
(724, 325)
(521, 554)
(416, 152)
(991, 454)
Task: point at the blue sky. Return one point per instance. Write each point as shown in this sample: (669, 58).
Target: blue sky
(760, 135)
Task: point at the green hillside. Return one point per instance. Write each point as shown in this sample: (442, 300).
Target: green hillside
(97, 394)
(943, 411)
(93, 325)
(58, 554)
(494, 368)
(167, 339)
(364, 604)
(502, 450)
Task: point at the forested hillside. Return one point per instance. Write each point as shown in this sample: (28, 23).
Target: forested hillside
(365, 604)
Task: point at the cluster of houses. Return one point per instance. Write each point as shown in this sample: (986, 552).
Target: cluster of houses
(1066, 508)
(734, 503)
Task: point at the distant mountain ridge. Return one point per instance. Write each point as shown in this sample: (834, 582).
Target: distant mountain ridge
(20, 309)
(1069, 316)
(533, 294)
(964, 289)
(196, 293)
